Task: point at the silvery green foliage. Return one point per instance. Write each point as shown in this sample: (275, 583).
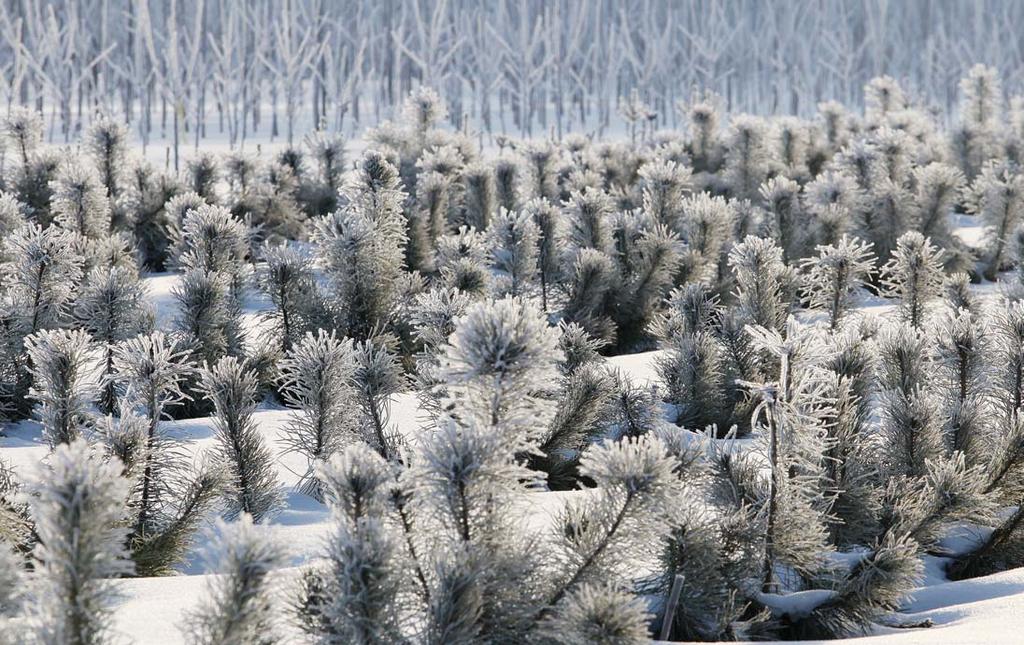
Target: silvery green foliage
(34, 184)
(981, 106)
(328, 153)
(462, 259)
(590, 220)
(914, 275)
(763, 282)
(997, 196)
(887, 214)
(240, 604)
(363, 583)
(509, 177)
(42, 269)
(175, 210)
(542, 158)
(514, 237)
(361, 247)
(62, 381)
(581, 417)
(593, 284)
(106, 140)
(208, 315)
(875, 586)
(595, 538)
(15, 522)
(79, 202)
(578, 348)
(495, 360)
(792, 136)
(834, 275)
(13, 583)
(747, 159)
(705, 228)
(958, 294)
(664, 185)
(938, 189)
(649, 275)
(883, 95)
(12, 217)
(317, 378)
(214, 240)
(112, 307)
(377, 378)
(169, 499)
(432, 197)
(284, 275)
(78, 505)
(231, 386)
(23, 129)
(706, 149)
(832, 198)
(551, 243)
(599, 614)
(961, 377)
(787, 220)
(479, 198)
(790, 414)
(202, 173)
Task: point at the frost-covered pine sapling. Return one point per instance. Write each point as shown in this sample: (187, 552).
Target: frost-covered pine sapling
(590, 227)
(362, 598)
(997, 196)
(599, 613)
(542, 160)
(23, 129)
(937, 191)
(208, 316)
(284, 275)
(550, 243)
(202, 174)
(509, 177)
(231, 386)
(789, 413)
(107, 143)
(664, 185)
(63, 383)
(378, 377)
(747, 161)
(112, 307)
(914, 275)
(763, 282)
(214, 240)
(960, 378)
(79, 202)
(316, 378)
(239, 606)
(602, 537)
(514, 237)
(175, 210)
(834, 276)
(581, 413)
(320, 195)
(78, 505)
(500, 354)
(593, 285)
(361, 247)
(479, 198)
(168, 502)
(41, 273)
(787, 219)
(13, 596)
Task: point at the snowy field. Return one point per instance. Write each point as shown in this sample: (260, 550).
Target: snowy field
(152, 610)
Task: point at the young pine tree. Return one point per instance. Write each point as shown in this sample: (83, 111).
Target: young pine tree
(78, 506)
(317, 376)
(231, 386)
(914, 274)
(834, 276)
(62, 382)
(79, 202)
(239, 606)
(514, 237)
(112, 307)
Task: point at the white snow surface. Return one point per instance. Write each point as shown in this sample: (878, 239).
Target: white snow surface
(985, 610)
